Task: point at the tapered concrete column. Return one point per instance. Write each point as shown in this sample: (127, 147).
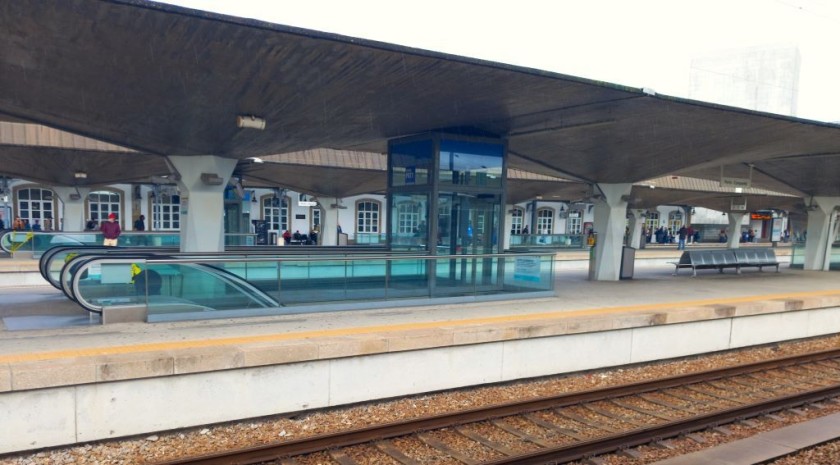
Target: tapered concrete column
(637, 220)
(821, 232)
(734, 230)
(202, 182)
(73, 211)
(507, 226)
(329, 223)
(610, 219)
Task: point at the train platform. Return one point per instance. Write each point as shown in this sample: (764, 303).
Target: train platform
(81, 381)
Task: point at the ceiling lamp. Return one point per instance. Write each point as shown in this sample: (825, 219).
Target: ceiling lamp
(250, 121)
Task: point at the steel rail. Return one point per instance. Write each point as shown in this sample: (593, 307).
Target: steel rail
(363, 435)
(632, 438)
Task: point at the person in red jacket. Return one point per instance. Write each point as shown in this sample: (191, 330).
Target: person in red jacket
(111, 230)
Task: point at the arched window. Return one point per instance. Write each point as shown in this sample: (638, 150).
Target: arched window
(275, 212)
(545, 221)
(517, 220)
(102, 203)
(36, 206)
(367, 216)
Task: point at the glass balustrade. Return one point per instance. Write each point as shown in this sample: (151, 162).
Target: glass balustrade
(193, 288)
(37, 242)
(797, 256)
(554, 241)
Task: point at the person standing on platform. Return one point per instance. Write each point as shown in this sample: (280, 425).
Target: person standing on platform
(140, 223)
(111, 230)
(681, 233)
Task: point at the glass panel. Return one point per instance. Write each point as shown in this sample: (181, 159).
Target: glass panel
(243, 287)
(36, 194)
(411, 162)
(468, 223)
(409, 221)
(471, 163)
(23, 194)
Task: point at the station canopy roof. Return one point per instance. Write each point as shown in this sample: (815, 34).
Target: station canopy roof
(164, 80)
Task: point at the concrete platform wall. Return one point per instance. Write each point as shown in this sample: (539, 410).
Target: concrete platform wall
(32, 419)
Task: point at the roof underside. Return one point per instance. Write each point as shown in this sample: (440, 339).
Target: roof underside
(170, 81)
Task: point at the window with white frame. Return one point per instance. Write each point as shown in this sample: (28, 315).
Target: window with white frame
(166, 213)
(408, 217)
(367, 216)
(652, 222)
(517, 220)
(34, 204)
(103, 203)
(545, 221)
(276, 213)
(675, 221)
(574, 223)
(315, 213)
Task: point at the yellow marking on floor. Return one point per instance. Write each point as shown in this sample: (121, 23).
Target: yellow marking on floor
(231, 341)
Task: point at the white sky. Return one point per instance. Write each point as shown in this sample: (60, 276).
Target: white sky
(643, 43)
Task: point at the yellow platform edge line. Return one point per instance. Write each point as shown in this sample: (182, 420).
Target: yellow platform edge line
(303, 335)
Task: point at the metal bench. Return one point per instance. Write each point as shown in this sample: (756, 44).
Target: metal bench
(706, 259)
(758, 258)
(729, 258)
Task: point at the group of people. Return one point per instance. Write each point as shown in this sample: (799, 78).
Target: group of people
(301, 238)
(20, 224)
(663, 235)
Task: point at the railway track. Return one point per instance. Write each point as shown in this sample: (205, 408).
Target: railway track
(568, 427)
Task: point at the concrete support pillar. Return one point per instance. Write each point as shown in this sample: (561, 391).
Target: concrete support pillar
(734, 230)
(637, 221)
(202, 180)
(329, 222)
(610, 220)
(822, 221)
(507, 227)
(73, 211)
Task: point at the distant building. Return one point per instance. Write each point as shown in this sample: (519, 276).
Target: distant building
(758, 78)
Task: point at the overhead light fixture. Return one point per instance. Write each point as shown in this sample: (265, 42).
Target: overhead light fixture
(250, 121)
(80, 175)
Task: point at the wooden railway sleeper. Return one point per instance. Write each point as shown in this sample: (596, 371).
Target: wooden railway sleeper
(689, 399)
(687, 409)
(396, 454)
(521, 434)
(485, 441)
(821, 375)
(588, 422)
(770, 389)
(444, 448)
(809, 378)
(614, 416)
(641, 410)
(733, 399)
(553, 427)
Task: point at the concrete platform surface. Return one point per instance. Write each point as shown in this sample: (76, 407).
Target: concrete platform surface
(93, 353)
(90, 381)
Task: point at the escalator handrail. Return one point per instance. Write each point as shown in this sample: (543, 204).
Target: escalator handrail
(229, 278)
